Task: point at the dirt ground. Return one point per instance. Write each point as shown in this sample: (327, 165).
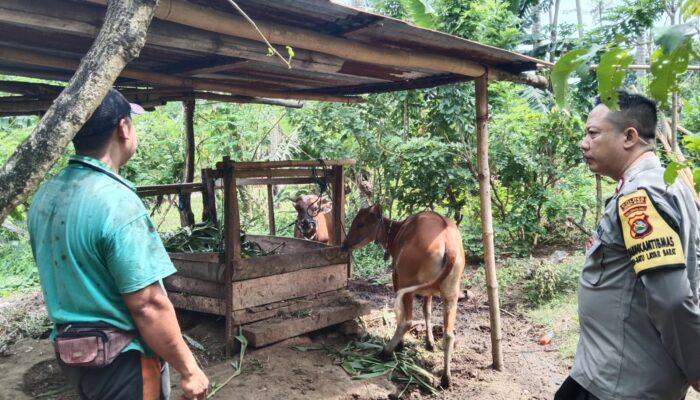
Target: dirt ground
(278, 372)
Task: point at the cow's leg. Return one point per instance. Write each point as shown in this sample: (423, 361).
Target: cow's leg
(427, 313)
(402, 326)
(449, 311)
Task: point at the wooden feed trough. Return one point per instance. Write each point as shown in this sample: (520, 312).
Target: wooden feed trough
(300, 288)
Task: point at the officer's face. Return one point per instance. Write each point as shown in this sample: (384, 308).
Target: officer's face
(602, 146)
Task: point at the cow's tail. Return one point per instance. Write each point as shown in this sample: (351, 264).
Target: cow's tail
(448, 262)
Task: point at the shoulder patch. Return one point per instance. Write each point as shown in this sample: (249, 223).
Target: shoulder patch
(651, 242)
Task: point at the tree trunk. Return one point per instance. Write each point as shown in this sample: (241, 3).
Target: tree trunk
(555, 23)
(579, 19)
(186, 215)
(120, 40)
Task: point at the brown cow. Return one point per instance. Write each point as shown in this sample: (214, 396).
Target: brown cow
(314, 220)
(427, 259)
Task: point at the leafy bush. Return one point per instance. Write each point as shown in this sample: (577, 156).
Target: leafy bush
(18, 271)
(549, 282)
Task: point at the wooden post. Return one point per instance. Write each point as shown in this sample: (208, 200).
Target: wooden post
(271, 210)
(339, 210)
(186, 215)
(482, 155)
(208, 197)
(232, 244)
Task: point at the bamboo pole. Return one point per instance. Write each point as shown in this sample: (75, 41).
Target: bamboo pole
(186, 13)
(484, 175)
(35, 58)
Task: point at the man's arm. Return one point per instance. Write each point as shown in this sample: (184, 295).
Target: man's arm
(156, 322)
(676, 316)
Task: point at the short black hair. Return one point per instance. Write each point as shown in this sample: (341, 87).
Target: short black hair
(636, 111)
(98, 129)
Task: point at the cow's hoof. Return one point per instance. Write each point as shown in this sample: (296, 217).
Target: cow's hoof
(386, 354)
(430, 346)
(399, 346)
(445, 381)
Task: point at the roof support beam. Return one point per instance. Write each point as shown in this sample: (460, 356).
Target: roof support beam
(28, 105)
(85, 20)
(33, 58)
(185, 13)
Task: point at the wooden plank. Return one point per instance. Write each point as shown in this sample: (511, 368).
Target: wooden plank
(232, 244)
(338, 205)
(216, 258)
(254, 165)
(192, 286)
(197, 303)
(174, 188)
(275, 181)
(271, 211)
(285, 245)
(271, 331)
(278, 264)
(266, 311)
(210, 272)
(281, 173)
(270, 289)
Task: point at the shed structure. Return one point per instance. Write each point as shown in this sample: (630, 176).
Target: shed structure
(206, 49)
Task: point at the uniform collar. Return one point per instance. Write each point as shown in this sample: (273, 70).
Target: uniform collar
(99, 166)
(642, 165)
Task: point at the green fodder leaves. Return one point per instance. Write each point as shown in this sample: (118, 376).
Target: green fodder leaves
(363, 360)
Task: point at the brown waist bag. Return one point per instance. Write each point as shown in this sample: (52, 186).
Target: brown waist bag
(90, 344)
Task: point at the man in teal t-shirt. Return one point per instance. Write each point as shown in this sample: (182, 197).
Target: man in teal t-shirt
(101, 260)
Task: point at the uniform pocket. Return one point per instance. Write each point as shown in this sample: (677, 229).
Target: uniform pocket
(593, 266)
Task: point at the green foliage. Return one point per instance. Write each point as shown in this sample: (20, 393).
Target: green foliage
(666, 67)
(549, 281)
(610, 72)
(563, 68)
(486, 21)
(18, 272)
(368, 262)
(421, 12)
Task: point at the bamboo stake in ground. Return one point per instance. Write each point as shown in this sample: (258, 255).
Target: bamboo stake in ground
(482, 156)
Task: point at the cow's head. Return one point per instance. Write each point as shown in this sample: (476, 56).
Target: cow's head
(364, 228)
(309, 207)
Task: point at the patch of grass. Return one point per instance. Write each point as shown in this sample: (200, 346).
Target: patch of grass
(18, 272)
(368, 262)
(16, 323)
(561, 317)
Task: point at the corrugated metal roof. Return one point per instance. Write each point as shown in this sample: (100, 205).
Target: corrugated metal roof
(67, 29)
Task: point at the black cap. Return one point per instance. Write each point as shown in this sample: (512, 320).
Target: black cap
(106, 117)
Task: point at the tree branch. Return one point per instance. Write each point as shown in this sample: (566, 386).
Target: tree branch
(120, 40)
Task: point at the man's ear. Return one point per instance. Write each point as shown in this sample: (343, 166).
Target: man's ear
(124, 130)
(632, 138)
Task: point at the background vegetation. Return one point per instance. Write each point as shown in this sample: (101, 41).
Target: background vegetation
(416, 149)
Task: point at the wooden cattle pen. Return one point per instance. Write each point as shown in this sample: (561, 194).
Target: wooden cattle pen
(296, 287)
(207, 50)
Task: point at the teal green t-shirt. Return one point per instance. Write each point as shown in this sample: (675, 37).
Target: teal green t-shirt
(93, 241)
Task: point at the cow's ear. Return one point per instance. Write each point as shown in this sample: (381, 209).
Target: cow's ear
(376, 210)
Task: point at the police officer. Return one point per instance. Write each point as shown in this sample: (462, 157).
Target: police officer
(638, 290)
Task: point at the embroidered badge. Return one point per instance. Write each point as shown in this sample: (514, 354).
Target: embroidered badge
(649, 239)
(640, 227)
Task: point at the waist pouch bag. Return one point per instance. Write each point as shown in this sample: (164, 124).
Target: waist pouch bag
(92, 345)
